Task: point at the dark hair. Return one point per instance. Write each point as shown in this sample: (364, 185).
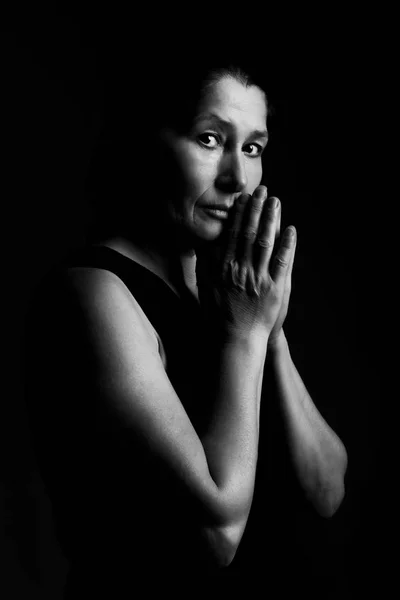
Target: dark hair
(138, 103)
(178, 88)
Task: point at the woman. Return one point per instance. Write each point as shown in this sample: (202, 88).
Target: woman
(149, 349)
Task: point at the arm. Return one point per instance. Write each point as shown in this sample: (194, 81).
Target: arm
(231, 440)
(319, 457)
(216, 472)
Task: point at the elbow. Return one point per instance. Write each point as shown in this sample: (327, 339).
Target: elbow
(330, 495)
(329, 502)
(226, 554)
(223, 543)
(229, 543)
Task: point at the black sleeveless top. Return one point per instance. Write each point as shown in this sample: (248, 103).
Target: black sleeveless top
(115, 534)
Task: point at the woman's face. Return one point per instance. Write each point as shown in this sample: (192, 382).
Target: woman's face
(217, 160)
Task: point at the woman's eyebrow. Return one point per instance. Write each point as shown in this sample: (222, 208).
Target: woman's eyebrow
(258, 133)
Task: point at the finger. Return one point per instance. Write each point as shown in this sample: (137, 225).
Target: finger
(291, 261)
(250, 223)
(234, 229)
(278, 222)
(266, 235)
(284, 257)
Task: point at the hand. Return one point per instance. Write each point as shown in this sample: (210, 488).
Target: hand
(277, 329)
(241, 289)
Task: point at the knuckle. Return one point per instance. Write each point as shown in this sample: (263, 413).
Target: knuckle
(243, 268)
(264, 243)
(257, 205)
(281, 262)
(249, 234)
(259, 281)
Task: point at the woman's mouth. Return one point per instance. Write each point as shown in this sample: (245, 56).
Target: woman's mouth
(216, 213)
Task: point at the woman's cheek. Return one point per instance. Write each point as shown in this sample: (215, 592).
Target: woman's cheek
(254, 174)
(201, 169)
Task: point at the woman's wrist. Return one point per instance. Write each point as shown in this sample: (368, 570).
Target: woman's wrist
(253, 342)
(277, 344)
(221, 335)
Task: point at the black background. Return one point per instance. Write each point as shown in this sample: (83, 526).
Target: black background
(326, 161)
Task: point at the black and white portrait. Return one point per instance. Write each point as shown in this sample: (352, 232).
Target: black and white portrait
(193, 399)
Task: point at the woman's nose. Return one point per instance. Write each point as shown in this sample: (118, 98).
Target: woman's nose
(232, 176)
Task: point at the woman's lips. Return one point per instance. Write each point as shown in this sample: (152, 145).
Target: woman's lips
(216, 213)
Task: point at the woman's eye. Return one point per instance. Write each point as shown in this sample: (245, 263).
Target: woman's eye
(210, 140)
(254, 149)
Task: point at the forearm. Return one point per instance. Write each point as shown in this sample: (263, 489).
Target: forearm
(319, 457)
(231, 440)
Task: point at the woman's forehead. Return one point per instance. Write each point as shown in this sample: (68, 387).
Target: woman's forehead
(232, 100)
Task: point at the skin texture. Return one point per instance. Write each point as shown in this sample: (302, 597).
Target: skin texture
(218, 161)
(212, 163)
(243, 288)
(220, 158)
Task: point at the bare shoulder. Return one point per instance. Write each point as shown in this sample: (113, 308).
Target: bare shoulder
(104, 303)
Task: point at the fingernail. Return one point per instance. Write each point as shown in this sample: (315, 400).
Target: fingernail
(273, 202)
(263, 192)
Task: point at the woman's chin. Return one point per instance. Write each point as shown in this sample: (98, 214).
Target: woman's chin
(208, 229)
(204, 231)
(209, 232)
